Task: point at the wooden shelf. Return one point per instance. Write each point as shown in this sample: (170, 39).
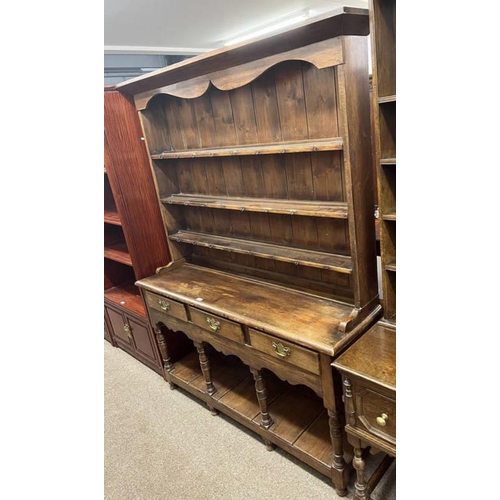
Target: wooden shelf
(126, 296)
(298, 256)
(118, 252)
(391, 266)
(389, 215)
(388, 161)
(308, 146)
(304, 434)
(386, 99)
(336, 210)
(111, 216)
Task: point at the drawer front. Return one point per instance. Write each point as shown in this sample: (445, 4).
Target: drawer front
(377, 413)
(217, 325)
(286, 351)
(164, 305)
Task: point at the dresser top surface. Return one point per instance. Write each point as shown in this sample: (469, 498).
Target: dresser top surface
(305, 319)
(373, 356)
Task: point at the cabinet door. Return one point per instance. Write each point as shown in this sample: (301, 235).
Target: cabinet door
(118, 325)
(142, 340)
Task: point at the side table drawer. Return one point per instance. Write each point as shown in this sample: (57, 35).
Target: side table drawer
(217, 325)
(164, 305)
(376, 412)
(286, 351)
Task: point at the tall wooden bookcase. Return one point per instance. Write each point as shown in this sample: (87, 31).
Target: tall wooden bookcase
(262, 158)
(383, 35)
(134, 238)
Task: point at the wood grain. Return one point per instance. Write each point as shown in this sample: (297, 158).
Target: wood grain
(255, 304)
(328, 144)
(297, 256)
(266, 205)
(373, 356)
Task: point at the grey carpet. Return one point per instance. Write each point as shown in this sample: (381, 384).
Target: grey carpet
(161, 444)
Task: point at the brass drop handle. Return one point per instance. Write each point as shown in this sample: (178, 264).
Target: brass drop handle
(164, 305)
(382, 420)
(213, 324)
(127, 329)
(281, 350)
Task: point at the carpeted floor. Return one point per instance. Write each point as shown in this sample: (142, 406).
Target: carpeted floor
(165, 445)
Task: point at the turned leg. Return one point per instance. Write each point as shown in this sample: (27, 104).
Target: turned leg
(205, 368)
(162, 345)
(360, 484)
(213, 411)
(269, 446)
(260, 389)
(340, 470)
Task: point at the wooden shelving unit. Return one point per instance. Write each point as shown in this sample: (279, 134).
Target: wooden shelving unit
(383, 33)
(304, 434)
(263, 166)
(132, 250)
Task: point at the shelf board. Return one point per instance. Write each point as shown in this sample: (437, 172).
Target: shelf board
(111, 216)
(118, 252)
(298, 256)
(387, 99)
(391, 266)
(337, 210)
(307, 146)
(126, 296)
(304, 433)
(388, 161)
(389, 215)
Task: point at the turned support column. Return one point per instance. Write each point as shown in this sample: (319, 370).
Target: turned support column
(205, 369)
(162, 345)
(360, 485)
(261, 391)
(332, 399)
(340, 471)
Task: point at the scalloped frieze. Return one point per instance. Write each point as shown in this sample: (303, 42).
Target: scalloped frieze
(322, 55)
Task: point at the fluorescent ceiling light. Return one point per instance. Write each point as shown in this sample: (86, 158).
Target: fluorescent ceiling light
(269, 27)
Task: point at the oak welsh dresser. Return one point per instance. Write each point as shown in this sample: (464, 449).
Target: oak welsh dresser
(262, 160)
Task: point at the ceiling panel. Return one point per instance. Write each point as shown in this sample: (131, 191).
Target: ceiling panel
(193, 26)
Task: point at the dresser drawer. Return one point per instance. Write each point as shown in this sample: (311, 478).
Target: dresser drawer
(286, 351)
(164, 305)
(217, 325)
(376, 412)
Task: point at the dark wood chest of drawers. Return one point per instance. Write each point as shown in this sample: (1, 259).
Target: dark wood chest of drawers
(368, 371)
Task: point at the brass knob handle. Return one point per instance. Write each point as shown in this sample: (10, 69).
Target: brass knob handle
(382, 420)
(281, 350)
(164, 305)
(213, 324)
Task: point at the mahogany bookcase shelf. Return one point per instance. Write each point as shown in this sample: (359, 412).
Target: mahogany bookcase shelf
(132, 249)
(262, 159)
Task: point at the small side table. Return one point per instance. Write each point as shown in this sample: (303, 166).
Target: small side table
(368, 370)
